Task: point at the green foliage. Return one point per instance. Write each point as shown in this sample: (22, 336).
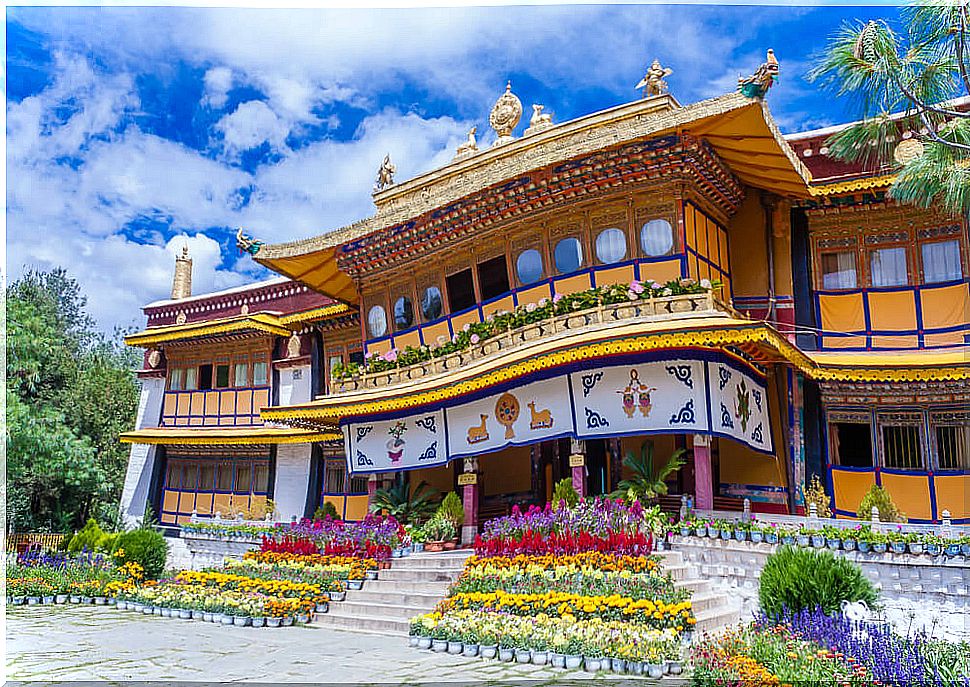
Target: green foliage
(646, 483)
(440, 528)
(144, 546)
(325, 511)
(406, 505)
(880, 498)
(910, 72)
(796, 579)
(70, 392)
(565, 491)
(87, 538)
(452, 509)
(815, 493)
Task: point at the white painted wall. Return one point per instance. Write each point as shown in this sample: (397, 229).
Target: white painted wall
(292, 480)
(141, 461)
(294, 385)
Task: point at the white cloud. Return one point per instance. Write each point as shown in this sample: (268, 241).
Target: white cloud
(218, 81)
(251, 124)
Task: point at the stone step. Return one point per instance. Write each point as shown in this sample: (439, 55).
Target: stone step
(415, 574)
(377, 610)
(707, 601)
(448, 561)
(356, 623)
(439, 589)
(693, 585)
(375, 594)
(713, 619)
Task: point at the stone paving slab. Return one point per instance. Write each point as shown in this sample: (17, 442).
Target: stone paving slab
(82, 643)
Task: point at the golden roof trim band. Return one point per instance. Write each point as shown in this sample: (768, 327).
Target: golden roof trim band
(177, 436)
(324, 313)
(862, 184)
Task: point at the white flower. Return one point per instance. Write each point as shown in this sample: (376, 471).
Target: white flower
(705, 283)
(530, 307)
(666, 292)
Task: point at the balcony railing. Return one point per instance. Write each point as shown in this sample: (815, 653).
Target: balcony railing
(591, 320)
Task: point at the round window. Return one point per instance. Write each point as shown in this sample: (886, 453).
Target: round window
(403, 313)
(657, 237)
(529, 266)
(568, 255)
(611, 245)
(431, 306)
(377, 321)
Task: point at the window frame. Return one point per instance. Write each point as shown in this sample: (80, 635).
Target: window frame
(907, 257)
(836, 417)
(598, 232)
(902, 418)
(938, 419)
(960, 258)
(821, 269)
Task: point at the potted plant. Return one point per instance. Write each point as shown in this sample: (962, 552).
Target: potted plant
(952, 547)
(914, 543)
(258, 621)
(455, 646)
(934, 544)
(804, 536)
(787, 535)
(741, 530)
(523, 654)
(849, 540)
(818, 539)
(592, 664)
(487, 640)
(506, 654)
(756, 533)
(880, 542)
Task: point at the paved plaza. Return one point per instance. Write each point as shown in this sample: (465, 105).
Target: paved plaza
(74, 643)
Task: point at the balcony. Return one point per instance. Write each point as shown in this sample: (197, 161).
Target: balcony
(590, 323)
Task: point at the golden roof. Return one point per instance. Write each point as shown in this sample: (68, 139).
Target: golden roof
(225, 436)
(741, 131)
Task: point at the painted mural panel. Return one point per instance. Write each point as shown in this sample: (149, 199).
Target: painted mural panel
(739, 406)
(409, 442)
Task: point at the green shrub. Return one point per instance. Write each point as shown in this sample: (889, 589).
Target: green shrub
(796, 579)
(880, 498)
(452, 509)
(145, 547)
(87, 537)
(565, 491)
(326, 509)
(106, 542)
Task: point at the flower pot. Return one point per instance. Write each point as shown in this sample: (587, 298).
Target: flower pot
(757, 537)
(675, 667)
(573, 661)
(934, 549)
(418, 547)
(880, 547)
(916, 547)
(557, 660)
(338, 596)
(788, 539)
(726, 534)
(157, 610)
(470, 650)
(740, 535)
(771, 537)
(287, 621)
(112, 601)
(952, 550)
(148, 610)
(48, 599)
(450, 545)
(258, 622)
(303, 618)
(848, 544)
(197, 615)
(833, 544)
(413, 641)
(655, 670)
(120, 605)
(685, 531)
(701, 531)
(60, 598)
(185, 614)
(323, 607)
(523, 655)
(424, 642)
(240, 620)
(591, 664)
(396, 553)
(370, 574)
(87, 599)
(965, 549)
(18, 600)
(899, 547)
(506, 654)
(712, 532)
(864, 547)
(273, 622)
(206, 617)
(634, 667)
(227, 619)
(540, 658)
(434, 546)
(818, 541)
(439, 645)
(803, 540)
(166, 613)
(100, 601)
(355, 584)
(618, 666)
(33, 600)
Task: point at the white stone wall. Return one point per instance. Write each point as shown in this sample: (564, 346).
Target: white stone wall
(292, 479)
(198, 552)
(917, 592)
(294, 385)
(141, 461)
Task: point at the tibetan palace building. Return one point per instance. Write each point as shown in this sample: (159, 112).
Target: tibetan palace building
(678, 275)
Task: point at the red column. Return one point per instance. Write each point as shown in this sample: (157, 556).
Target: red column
(703, 477)
(579, 480)
(371, 491)
(470, 504)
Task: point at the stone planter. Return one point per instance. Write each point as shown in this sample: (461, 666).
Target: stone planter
(197, 615)
(833, 544)
(849, 544)
(540, 658)
(259, 622)
(60, 598)
(557, 660)
(227, 619)
(573, 661)
(899, 547)
(915, 547)
(185, 614)
(523, 655)
(757, 537)
(240, 620)
(488, 650)
(424, 642)
(654, 670)
(818, 541)
(592, 664)
(470, 651)
(865, 547)
(455, 647)
(338, 596)
(675, 667)
(618, 666)
(439, 645)
(48, 599)
(506, 654)
(273, 622)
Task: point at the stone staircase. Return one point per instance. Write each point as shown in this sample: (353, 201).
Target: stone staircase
(410, 587)
(414, 585)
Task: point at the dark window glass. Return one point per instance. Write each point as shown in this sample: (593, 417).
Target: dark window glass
(207, 477)
(568, 255)
(244, 475)
(852, 444)
(953, 446)
(493, 277)
(224, 477)
(222, 376)
(190, 477)
(358, 485)
(403, 313)
(173, 476)
(356, 357)
(431, 306)
(334, 478)
(261, 479)
(461, 291)
(205, 377)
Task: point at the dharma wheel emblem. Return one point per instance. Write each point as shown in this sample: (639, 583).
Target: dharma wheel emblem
(505, 114)
(507, 412)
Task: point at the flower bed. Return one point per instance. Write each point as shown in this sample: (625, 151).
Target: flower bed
(374, 537)
(38, 577)
(341, 567)
(228, 530)
(861, 537)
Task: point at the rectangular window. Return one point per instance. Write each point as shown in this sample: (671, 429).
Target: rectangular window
(190, 476)
(358, 485)
(888, 267)
(244, 476)
(941, 261)
(241, 374)
(851, 444)
(461, 291)
(259, 374)
(207, 476)
(173, 476)
(493, 277)
(902, 447)
(175, 376)
(261, 478)
(334, 477)
(224, 477)
(953, 447)
(334, 361)
(222, 376)
(839, 270)
(356, 357)
(205, 377)
(191, 378)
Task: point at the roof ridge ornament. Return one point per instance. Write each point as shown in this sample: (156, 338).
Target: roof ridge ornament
(505, 115)
(653, 82)
(246, 243)
(385, 174)
(539, 121)
(764, 77)
(469, 147)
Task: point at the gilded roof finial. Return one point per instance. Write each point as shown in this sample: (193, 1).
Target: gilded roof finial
(505, 115)
(653, 82)
(469, 147)
(764, 77)
(182, 279)
(385, 174)
(246, 243)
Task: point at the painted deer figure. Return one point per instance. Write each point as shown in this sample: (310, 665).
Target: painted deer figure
(478, 432)
(541, 419)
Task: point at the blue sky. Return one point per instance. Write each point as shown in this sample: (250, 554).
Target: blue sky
(133, 130)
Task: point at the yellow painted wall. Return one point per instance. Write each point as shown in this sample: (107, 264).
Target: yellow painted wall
(440, 478)
(850, 487)
(910, 493)
(506, 471)
(749, 255)
(740, 465)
